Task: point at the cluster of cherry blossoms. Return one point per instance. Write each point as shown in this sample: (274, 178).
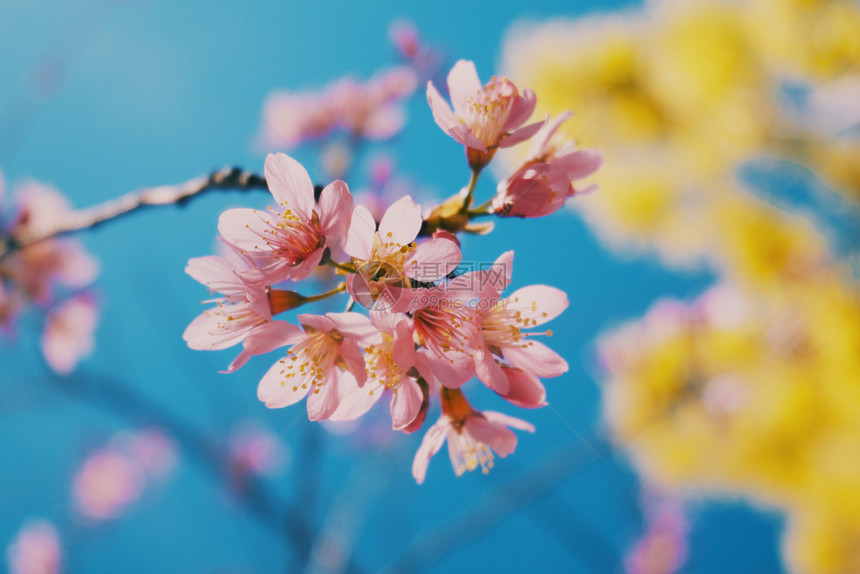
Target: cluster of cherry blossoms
(429, 328)
(370, 109)
(50, 275)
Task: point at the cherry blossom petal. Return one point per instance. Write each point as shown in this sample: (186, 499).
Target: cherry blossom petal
(335, 208)
(463, 84)
(359, 238)
(499, 437)
(246, 229)
(404, 347)
(536, 359)
(351, 354)
(209, 331)
(355, 401)
(324, 399)
(430, 445)
(452, 370)
(353, 324)
(433, 260)
(522, 110)
(406, 403)
(580, 163)
(537, 304)
(521, 135)
(318, 322)
(524, 390)
(217, 273)
(542, 139)
(442, 113)
(290, 184)
(266, 338)
(508, 421)
(401, 222)
(490, 373)
(278, 391)
(504, 265)
(306, 267)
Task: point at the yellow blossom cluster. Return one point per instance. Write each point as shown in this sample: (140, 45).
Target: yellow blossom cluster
(752, 389)
(678, 94)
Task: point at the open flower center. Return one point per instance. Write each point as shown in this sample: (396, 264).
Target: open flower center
(443, 329)
(488, 110)
(292, 238)
(380, 364)
(308, 361)
(468, 454)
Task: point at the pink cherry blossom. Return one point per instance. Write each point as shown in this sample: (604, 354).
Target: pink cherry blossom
(446, 326)
(534, 191)
(505, 342)
(38, 268)
(472, 437)
(292, 117)
(366, 109)
(323, 362)
(546, 147)
(288, 241)
(106, 485)
(404, 37)
(243, 314)
(68, 333)
(484, 118)
(35, 550)
(545, 181)
(370, 109)
(392, 366)
(388, 257)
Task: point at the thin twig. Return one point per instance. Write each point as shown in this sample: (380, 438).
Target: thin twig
(223, 179)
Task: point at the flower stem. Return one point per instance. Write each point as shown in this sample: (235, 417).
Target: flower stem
(339, 289)
(345, 267)
(470, 190)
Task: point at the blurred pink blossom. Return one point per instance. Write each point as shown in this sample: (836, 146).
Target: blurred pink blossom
(68, 334)
(404, 37)
(368, 109)
(106, 485)
(113, 477)
(35, 550)
(44, 272)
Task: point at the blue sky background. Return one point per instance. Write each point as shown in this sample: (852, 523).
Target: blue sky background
(147, 93)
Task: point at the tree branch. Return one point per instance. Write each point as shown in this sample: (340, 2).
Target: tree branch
(228, 178)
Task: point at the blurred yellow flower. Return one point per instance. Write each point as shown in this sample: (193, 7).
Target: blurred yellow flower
(754, 388)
